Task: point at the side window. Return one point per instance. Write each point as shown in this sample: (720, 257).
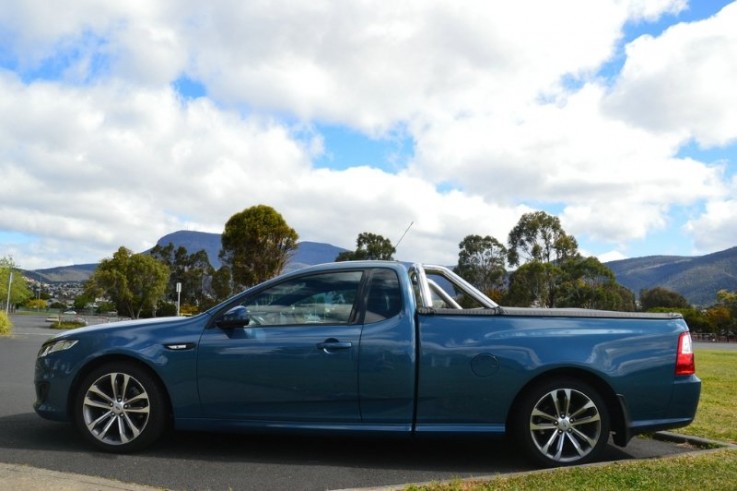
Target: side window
(384, 296)
(326, 298)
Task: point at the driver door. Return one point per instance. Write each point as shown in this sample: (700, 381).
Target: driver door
(296, 360)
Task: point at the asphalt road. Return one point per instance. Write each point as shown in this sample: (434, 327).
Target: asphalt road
(199, 461)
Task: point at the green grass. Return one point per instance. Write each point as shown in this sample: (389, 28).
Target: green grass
(713, 471)
(716, 419)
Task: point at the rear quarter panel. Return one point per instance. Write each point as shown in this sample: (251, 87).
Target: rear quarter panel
(472, 367)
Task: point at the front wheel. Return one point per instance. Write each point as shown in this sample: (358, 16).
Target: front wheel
(120, 407)
(562, 422)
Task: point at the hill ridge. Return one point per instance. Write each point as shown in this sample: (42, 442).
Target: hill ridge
(698, 278)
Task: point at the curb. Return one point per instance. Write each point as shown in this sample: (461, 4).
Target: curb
(26, 478)
(701, 443)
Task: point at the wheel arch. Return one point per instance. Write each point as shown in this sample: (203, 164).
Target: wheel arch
(614, 402)
(103, 360)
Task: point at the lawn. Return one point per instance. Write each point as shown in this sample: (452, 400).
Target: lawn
(715, 470)
(716, 418)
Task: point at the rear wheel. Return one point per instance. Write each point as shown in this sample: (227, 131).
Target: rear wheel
(562, 422)
(120, 407)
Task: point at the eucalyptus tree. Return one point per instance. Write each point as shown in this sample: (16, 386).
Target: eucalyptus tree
(369, 246)
(481, 262)
(256, 245)
(661, 297)
(133, 282)
(539, 237)
(191, 270)
(552, 273)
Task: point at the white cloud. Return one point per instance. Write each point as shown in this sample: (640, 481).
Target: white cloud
(683, 81)
(714, 229)
(500, 99)
(373, 64)
(113, 166)
(570, 153)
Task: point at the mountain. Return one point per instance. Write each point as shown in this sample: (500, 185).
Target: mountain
(307, 254)
(697, 278)
(193, 242)
(310, 253)
(62, 274)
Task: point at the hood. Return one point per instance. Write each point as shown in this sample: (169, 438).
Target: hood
(128, 324)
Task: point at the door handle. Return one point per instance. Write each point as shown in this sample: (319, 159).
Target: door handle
(333, 344)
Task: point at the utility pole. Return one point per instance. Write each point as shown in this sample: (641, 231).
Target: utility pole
(179, 296)
(10, 283)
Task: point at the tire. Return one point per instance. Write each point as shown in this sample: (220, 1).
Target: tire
(561, 422)
(119, 407)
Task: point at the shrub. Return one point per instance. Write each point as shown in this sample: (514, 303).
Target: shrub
(68, 324)
(188, 309)
(6, 327)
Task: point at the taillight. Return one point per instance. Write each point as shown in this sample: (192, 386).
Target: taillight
(685, 363)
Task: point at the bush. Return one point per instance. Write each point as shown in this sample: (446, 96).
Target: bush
(6, 327)
(67, 324)
(166, 309)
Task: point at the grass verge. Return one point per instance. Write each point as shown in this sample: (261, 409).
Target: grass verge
(713, 470)
(716, 418)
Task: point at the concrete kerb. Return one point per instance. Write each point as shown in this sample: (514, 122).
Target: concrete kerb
(695, 441)
(26, 478)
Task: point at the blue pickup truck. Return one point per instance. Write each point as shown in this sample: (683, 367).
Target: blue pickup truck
(377, 347)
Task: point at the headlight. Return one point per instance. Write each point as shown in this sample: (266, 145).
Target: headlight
(54, 346)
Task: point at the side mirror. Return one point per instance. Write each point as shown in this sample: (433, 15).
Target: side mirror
(236, 317)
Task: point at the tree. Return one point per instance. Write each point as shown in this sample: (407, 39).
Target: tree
(699, 321)
(529, 285)
(133, 282)
(256, 245)
(719, 319)
(539, 237)
(222, 283)
(554, 274)
(371, 247)
(540, 244)
(19, 291)
(481, 262)
(82, 301)
(661, 297)
(37, 304)
(728, 300)
(190, 270)
(586, 283)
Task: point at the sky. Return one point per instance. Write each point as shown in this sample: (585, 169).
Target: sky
(121, 122)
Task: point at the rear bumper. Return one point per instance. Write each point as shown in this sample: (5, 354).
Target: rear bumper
(681, 411)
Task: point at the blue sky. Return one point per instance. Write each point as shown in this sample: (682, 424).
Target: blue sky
(135, 120)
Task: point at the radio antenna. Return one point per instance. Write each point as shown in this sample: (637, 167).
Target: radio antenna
(405, 233)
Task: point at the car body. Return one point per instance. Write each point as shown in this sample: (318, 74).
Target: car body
(375, 347)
